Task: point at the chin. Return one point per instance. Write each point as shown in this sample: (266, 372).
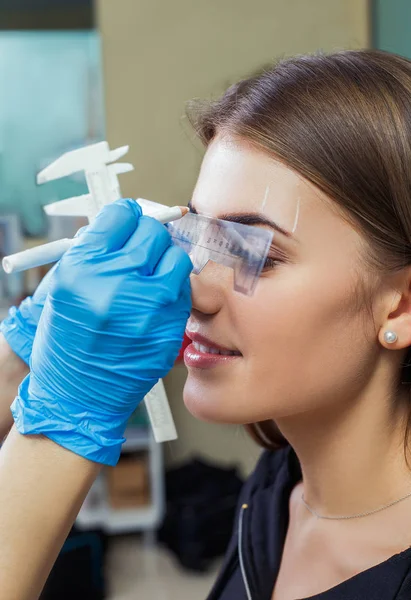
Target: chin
(201, 406)
(213, 406)
(231, 402)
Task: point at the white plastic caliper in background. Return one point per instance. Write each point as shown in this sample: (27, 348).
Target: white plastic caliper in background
(104, 188)
(101, 178)
(98, 163)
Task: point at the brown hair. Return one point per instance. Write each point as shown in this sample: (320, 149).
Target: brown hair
(343, 121)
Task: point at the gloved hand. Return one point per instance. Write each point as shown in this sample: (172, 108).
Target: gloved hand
(112, 325)
(20, 326)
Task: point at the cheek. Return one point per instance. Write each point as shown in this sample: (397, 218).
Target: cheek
(310, 341)
(302, 343)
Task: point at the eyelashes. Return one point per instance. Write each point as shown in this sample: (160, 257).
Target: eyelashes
(271, 263)
(274, 261)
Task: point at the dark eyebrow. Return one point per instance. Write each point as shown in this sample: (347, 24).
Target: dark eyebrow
(249, 219)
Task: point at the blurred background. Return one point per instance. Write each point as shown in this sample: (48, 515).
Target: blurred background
(75, 72)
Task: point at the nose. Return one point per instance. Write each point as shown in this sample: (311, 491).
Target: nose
(210, 287)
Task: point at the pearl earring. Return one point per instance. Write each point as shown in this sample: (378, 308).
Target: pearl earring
(390, 337)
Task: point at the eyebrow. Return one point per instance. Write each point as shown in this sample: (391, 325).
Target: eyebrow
(249, 219)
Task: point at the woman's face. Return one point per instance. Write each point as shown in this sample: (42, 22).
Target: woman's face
(304, 340)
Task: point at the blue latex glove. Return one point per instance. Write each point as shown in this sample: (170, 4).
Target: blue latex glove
(20, 326)
(112, 325)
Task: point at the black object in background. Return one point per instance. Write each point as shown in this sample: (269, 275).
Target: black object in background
(201, 504)
(78, 573)
(46, 14)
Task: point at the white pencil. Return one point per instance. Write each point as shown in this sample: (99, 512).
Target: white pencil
(52, 252)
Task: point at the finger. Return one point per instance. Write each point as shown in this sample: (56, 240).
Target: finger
(111, 229)
(42, 290)
(81, 231)
(147, 245)
(176, 264)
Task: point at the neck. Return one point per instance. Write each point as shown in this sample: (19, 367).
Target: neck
(352, 457)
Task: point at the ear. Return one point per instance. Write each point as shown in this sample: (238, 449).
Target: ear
(398, 318)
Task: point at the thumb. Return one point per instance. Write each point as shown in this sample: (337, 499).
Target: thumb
(111, 229)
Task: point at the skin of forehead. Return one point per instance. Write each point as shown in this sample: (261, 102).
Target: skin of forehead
(237, 178)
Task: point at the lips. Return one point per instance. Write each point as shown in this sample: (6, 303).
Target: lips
(203, 353)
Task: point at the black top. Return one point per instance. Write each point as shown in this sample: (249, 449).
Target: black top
(254, 553)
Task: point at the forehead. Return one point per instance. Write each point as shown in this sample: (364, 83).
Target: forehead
(237, 178)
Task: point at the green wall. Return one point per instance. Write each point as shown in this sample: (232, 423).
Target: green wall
(392, 26)
(50, 102)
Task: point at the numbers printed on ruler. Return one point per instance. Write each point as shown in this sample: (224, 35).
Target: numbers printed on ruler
(244, 248)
